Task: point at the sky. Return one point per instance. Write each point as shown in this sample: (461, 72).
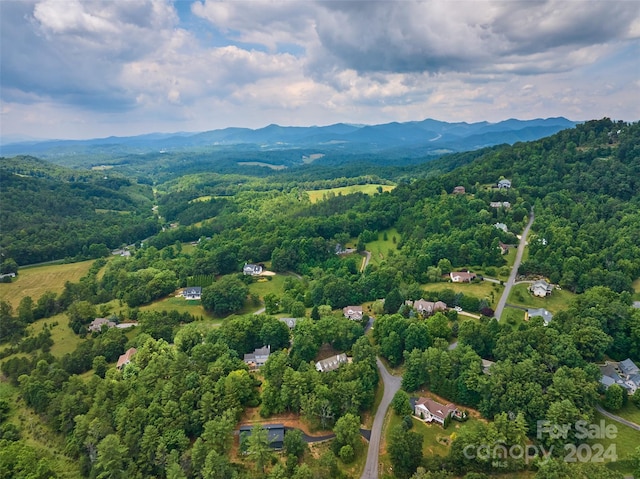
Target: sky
(85, 69)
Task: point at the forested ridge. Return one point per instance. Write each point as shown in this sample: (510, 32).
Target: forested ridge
(49, 212)
(172, 411)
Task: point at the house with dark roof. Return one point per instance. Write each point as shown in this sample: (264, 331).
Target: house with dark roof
(429, 410)
(612, 373)
(546, 316)
(628, 367)
(504, 248)
(275, 435)
(194, 292)
(332, 363)
(258, 357)
(252, 269)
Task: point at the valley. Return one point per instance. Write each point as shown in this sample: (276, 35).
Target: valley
(398, 271)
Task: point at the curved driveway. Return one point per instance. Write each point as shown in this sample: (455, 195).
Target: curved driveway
(391, 386)
(619, 419)
(514, 271)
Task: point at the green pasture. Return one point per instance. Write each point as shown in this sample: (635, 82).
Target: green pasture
(380, 249)
(37, 280)
(319, 195)
(557, 301)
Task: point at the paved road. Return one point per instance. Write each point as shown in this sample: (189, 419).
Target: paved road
(619, 419)
(391, 386)
(365, 261)
(514, 271)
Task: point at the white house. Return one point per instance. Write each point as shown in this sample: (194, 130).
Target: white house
(461, 276)
(192, 293)
(429, 411)
(504, 184)
(252, 269)
(332, 363)
(541, 288)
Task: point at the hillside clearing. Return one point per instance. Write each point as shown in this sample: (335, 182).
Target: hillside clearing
(319, 195)
(38, 280)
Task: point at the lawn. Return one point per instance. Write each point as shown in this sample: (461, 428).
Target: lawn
(629, 412)
(37, 280)
(268, 285)
(512, 316)
(318, 195)
(178, 303)
(380, 249)
(481, 290)
(558, 300)
(636, 288)
(436, 440)
(626, 441)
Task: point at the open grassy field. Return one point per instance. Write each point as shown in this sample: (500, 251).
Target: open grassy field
(380, 249)
(64, 339)
(636, 288)
(481, 290)
(318, 195)
(37, 280)
(556, 302)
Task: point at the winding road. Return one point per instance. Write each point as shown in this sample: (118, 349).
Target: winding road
(514, 271)
(391, 386)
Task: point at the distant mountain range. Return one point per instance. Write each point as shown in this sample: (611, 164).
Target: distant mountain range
(428, 137)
